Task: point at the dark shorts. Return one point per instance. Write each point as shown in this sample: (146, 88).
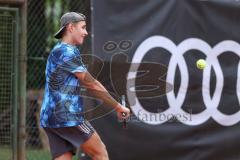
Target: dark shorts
(62, 140)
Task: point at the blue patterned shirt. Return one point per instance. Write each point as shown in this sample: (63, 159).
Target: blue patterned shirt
(62, 104)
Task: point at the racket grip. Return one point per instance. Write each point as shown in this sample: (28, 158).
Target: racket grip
(124, 114)
(124, 121)
(124, 124)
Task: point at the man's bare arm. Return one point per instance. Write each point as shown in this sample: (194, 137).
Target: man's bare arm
(99, 91)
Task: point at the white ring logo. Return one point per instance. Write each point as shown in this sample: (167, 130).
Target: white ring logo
(177, 59)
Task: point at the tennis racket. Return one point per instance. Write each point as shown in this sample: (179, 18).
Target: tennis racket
(123, 102)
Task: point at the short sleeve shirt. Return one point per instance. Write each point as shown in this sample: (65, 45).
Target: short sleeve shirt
(62, 104)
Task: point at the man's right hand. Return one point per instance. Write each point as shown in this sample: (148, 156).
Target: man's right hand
(122, 112)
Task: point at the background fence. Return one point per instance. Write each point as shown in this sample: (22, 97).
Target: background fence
(42, 22)
(8, 36)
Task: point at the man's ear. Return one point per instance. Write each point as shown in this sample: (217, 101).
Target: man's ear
(70, 27)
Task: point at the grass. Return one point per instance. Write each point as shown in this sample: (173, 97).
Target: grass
(31, 154)
(36, 154)
(5, 153)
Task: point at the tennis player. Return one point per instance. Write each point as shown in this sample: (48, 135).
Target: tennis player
(61, 113)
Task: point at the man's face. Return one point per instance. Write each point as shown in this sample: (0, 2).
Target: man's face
(79, 32)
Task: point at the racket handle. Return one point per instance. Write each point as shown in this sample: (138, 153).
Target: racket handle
(124, 121)
(124, 124)
(124, 114)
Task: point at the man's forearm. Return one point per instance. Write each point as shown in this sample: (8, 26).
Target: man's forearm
(98, 91)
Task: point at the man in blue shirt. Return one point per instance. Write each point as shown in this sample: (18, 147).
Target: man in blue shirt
(62, 109)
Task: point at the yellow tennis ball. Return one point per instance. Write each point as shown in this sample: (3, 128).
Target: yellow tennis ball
(201, 64)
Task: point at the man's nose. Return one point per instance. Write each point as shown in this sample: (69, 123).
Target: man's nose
(86, 33)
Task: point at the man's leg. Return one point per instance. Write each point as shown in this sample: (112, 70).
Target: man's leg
(95, 148)
(60, 148)
(65, 156)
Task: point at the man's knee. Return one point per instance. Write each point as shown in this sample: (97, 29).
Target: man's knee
(100, 157)
(101, 153)
(104, 150)
(95, 148)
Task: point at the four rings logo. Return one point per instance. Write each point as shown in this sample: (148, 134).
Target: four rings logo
(177, 59)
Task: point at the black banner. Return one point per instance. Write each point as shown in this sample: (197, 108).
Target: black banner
(150, 49)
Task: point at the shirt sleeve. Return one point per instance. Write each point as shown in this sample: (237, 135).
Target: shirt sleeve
(73, 62)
